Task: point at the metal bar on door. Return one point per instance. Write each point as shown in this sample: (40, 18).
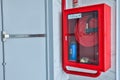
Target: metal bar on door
(5, 35)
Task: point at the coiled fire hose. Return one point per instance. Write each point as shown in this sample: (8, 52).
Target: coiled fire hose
(86, 31)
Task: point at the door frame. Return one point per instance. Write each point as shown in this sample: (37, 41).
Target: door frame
(49, 40)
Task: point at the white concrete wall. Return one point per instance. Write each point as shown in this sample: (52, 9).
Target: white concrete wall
(58, 72)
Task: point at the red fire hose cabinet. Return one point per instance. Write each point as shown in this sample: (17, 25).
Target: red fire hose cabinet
(86, 39)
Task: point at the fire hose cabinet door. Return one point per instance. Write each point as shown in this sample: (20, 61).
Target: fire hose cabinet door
(87, 38)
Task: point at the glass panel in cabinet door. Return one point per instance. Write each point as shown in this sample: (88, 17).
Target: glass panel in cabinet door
(83, 37)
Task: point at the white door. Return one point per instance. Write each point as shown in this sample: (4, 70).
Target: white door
(25, 58)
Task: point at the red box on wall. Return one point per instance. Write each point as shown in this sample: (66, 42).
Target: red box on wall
(86, 38)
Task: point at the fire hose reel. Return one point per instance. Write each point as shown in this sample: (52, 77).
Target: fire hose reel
(86, 39)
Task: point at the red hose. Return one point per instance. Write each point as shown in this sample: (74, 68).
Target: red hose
(83, 38)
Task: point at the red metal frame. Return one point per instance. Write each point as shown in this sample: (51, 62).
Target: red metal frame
(104, 34)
